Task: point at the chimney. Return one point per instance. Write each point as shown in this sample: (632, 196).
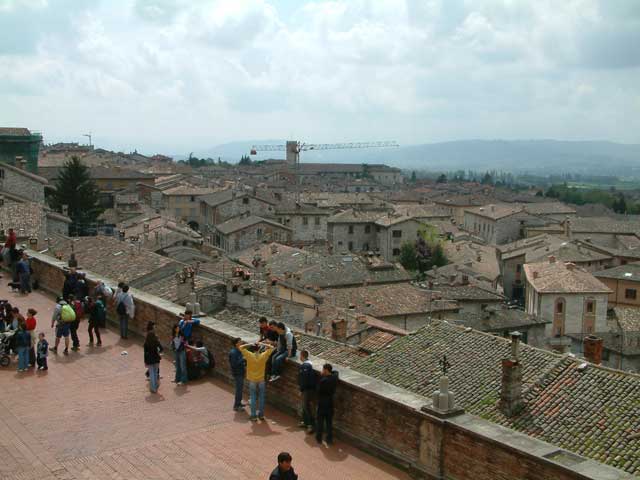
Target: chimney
(20, 162)
(535, 274)
(493, 208)
(567, 227)
(593, 349)
(570, 266)
(339, 330)
(274, 248)
(511, 389)
(479, 257)
(552, 259)
(465, 279)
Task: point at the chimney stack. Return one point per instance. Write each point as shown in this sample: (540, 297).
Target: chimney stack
(511, 389)
(535, 274)
(570, 266)
(339, 330)
(593, 349)
(21, 163)
(567, 227)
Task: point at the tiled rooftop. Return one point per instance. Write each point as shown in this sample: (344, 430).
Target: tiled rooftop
(558, 277)
(629, 272)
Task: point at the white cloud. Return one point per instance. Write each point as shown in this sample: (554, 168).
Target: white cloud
(182, 75)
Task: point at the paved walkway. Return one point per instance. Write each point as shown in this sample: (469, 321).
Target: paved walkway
(91, 417)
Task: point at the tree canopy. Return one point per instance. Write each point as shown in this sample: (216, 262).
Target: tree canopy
(76, 190)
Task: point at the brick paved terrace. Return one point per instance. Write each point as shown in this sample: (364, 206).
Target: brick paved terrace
(91, 416)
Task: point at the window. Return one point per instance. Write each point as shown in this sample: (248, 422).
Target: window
(378, 228)
(305, 220)
(630, 293)
(396, 252)
(317, 220)
(350, 246)
(590, 306)
(559, 307)
(365, 247)
(351, 229)
(192, 198)
(245, 200)
(367, 229)
(1, 173)
(259, 233)
(396, 233)
(518, 268)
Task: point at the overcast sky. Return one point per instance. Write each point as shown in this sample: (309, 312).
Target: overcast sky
(181, 75)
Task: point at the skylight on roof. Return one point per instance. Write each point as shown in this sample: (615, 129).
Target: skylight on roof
(628, 274)
(118, 253)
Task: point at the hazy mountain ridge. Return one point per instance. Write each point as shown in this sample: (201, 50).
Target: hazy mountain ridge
(513, 155)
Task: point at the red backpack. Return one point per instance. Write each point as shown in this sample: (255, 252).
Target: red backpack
(77, 307)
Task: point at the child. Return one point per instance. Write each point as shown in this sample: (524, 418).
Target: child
(43, 351)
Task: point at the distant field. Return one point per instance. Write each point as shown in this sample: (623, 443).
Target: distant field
(621, 185)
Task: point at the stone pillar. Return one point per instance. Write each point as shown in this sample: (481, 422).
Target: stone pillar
(593, 349)
(443, 399)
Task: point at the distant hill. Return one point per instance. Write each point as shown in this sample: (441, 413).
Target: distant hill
(539, 156)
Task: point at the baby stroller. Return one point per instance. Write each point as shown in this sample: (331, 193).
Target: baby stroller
(5, 347)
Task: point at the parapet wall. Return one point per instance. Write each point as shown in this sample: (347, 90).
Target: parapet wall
(384, 420)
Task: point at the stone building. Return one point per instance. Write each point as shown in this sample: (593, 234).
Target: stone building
(19, 144)
(21, 183)
(309, 223)
(247, 230)
(498, 224)
(183, 202)
(218, 207)
(624, 283)
(572, 300)
(602, 231)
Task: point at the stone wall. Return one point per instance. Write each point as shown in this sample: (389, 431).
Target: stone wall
(384, 420)
(21, 184)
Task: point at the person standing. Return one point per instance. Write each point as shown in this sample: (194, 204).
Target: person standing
(30, 325)
(23, 270)
(126, 310)
(307, 384)
(97, 320)
(284, 470)
(102, 290)
(178, 344)
(152, 350)
(256, 357)
(78, 308)
(23, 342)
(187, 323)
(63, 314)
(326, 390)
(238, 366)
(42, 351)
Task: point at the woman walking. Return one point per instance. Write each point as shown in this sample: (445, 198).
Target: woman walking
(23, 343)
(178, 344)
(152, 350)
(97, 319)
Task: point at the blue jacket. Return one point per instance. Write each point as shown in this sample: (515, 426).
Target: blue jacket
(237, 363)
(187, 327)
(306, 377)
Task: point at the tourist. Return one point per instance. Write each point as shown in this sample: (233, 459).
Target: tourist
(272, 334)
(97, 319)
(102, 290)
(238, 366)
(62, 324)
(178, 345)
(263, 325)
(42, 351)
(326, 390)
(30, 325)
(284, 470)
(82, 287)
(78, 308)
(307, 383)
(23, 268)
(23, 342)
(256, 357)
(198, 362)
(187, 323)
(152, 351)
(286, 349)
(126, 310)
(70, 284)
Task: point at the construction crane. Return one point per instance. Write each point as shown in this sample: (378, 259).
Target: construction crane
(293, 148)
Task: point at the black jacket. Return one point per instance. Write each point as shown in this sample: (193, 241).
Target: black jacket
(326, 389)
(237, 363)
(278, 475)
(152, 349)
(306, 377)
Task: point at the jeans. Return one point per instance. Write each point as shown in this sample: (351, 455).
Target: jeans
(94, 327)
(124, 325)
(238, 381)
(42, 363)
(256, 388)
(154, 377)
(324, 418)
(23, 358)
(25, 282)
(307, 408)
(73, 328)
(278, 360)
(181, 366)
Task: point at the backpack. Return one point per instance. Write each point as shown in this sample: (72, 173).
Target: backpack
(121, 308)
(67, 314)
(77, 307)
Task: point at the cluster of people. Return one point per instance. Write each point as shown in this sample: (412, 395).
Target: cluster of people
(19, 337)
(264, 359)
(192, 359)
(17, 262)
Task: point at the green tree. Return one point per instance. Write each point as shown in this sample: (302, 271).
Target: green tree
(78, 192)
(442, 179)
(408, 257)
(245, 160)
(487, 179)
(413, 177)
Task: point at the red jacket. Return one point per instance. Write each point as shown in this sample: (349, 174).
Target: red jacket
(30, 323)
(11, 241)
